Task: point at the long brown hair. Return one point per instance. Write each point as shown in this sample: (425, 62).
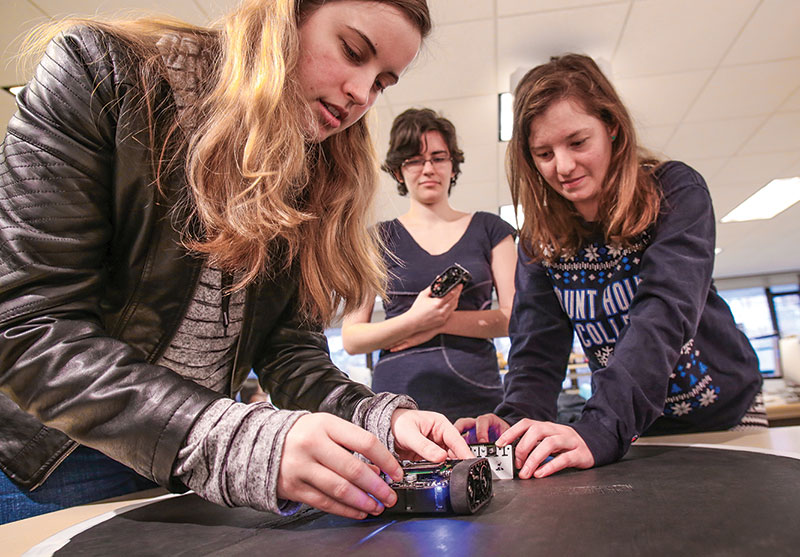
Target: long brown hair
(264, 197)
(629, 200)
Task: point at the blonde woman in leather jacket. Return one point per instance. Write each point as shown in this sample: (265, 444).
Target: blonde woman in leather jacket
(170, 199)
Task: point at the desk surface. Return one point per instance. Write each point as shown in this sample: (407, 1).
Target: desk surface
(782, 402)
(20, 536)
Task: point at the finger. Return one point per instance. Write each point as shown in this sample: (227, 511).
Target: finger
(356, 439)
(469, 435)
(423, 447)
(399, 346)
(533, 436)
(550, 445)
(429, 450)
(514, 432)
(454, 293)
(482, 428)
(573, 453)
(528, 441)
(497, 429)
(326, 492)
(452, 303)
(455, 443)
(463, 424)
(452, 298)
(553, 464)
(349, 480)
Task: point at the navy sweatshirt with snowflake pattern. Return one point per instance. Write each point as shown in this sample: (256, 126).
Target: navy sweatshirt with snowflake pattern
(665, 353)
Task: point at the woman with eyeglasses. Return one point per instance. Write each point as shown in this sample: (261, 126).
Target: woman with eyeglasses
(437, 350)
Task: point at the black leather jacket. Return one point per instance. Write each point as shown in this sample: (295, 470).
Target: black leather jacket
(94, 282)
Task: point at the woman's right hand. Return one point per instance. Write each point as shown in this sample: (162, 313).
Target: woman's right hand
(319, 469)
(540, 440)
(431, 313)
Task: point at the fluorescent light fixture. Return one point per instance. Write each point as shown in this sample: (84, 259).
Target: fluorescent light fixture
(507, 213)
(506, 108)
(14, 89)
(775, 197)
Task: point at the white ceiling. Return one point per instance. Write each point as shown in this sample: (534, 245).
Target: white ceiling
(715, 83)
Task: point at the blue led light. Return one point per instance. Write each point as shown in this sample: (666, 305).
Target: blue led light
(440, 497)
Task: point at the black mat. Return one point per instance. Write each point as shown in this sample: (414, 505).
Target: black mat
(674, 501)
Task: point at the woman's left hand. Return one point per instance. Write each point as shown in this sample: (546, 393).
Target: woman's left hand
(542, 439)
(415, 339)
(421, 435)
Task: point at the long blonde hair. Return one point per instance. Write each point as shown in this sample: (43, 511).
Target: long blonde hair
(629, 201)
(267, 200)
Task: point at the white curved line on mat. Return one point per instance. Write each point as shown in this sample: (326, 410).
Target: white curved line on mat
(58, 540)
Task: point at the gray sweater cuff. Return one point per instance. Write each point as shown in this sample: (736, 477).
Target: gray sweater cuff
(375, 415)
(232, 455)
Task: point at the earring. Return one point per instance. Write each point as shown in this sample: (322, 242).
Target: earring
(452, 181)
(613, 137)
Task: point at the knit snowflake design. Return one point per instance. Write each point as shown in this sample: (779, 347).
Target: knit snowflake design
(681, 408)
(691, 385)
(615, 250)
(591, 253)
(707, 397)
(569, 255)
(603, 355)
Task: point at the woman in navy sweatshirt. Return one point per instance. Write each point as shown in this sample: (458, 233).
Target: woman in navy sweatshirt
(617, 248)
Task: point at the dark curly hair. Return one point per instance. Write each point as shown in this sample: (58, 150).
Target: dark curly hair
(405, 141)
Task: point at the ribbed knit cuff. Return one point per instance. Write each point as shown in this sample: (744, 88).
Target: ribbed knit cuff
(232, 455)
(375, 415)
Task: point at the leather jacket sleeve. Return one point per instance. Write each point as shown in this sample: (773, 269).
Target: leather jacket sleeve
(297, 371)
(58, 361)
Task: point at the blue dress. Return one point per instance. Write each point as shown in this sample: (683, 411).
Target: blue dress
(457, 376)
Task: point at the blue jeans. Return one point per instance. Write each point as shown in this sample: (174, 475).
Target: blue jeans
(85, 476)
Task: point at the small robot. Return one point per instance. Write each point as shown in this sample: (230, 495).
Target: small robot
(449, 279)
(454, 486)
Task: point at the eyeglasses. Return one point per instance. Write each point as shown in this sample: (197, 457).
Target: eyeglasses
(416, 165)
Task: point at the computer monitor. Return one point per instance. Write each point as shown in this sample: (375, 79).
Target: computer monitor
(766, 348)
(789, 350)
